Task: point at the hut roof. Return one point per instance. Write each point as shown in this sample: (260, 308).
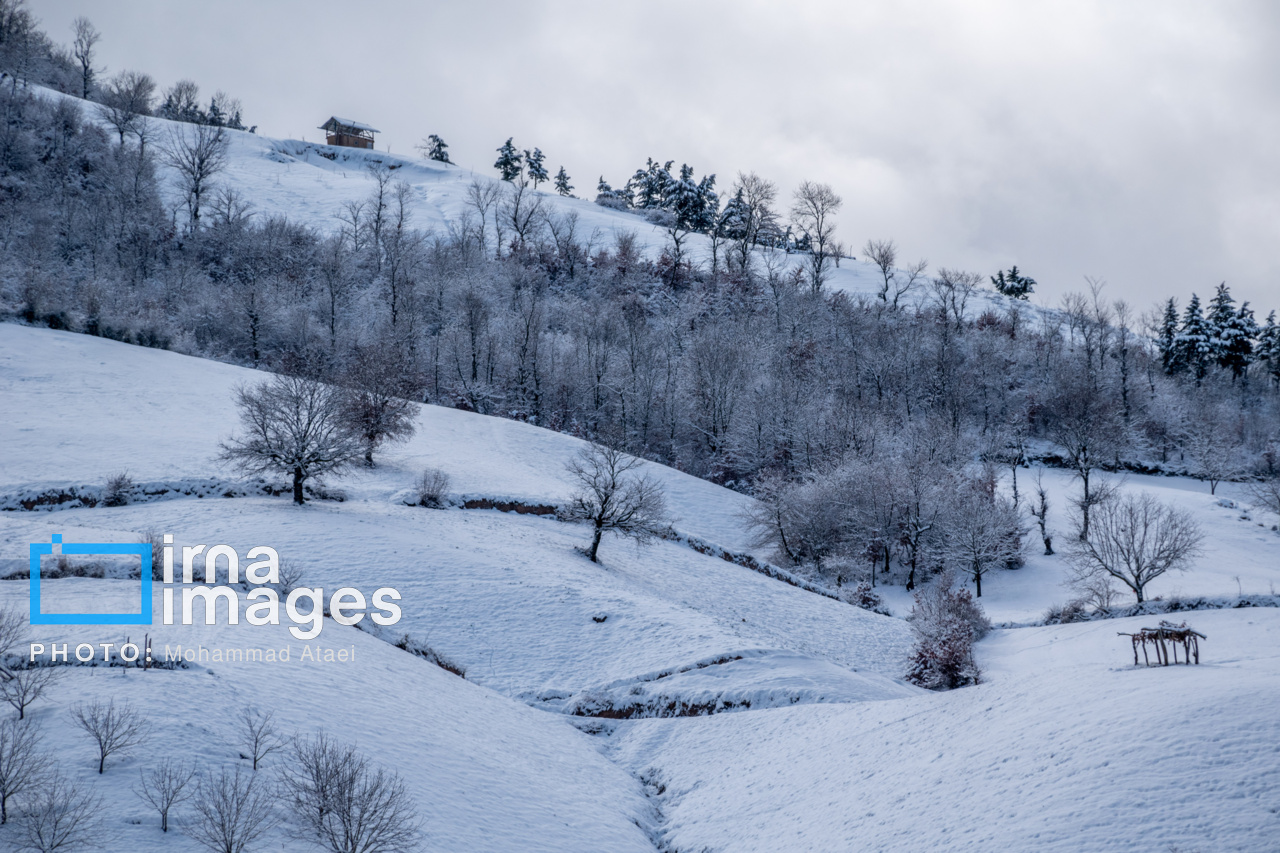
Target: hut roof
(335, 123)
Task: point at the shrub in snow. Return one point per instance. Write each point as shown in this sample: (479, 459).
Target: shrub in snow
(1266, 495)
(156, 541)
(947, 622)
(863, 596)
(117, 490)
(433, 488)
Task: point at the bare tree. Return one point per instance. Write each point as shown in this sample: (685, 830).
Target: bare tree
(233, 809)
(813, 214)
(522, 209)
(23, 763)
(483, 197)
(896, 283)
(311, 777)
(13, 630)
(612, 496)
(83, 49)
(350, 805)
(126, 101)
(165, 786)
(198, 153)
(293, 426)
(1040, 512)
(1083, 420)
(1266, 494)
(757, 197)
(114, 730)
(952, 290)
(61, 819)
(259, 735)
(1136, 539)
(23, 686)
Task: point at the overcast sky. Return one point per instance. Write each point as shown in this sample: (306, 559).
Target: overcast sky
(1137, 142)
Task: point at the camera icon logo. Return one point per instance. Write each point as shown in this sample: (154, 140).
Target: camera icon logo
(56, 546)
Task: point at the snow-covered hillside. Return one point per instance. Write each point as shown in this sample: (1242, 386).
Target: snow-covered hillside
(817, 745)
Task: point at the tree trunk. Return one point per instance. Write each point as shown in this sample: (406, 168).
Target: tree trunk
(298, 480)
(102, 763)
(595, 543)
(977, 580)
(1048, 545)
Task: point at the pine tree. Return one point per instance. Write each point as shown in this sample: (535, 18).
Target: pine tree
(1194, 342)
(436, 149)
(650, 185)
(537, 169)
(1167, 340)
(1231, 333)
(562, 185)
(1013, 283)
(1269, 347)
(734, 218)
(510, 162)
(1236, 342)
(1218, 319)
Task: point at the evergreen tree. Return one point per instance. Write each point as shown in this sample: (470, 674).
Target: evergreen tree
(693, 202)
(650, 185)
(537, 169)
(1013, 283)
(562, 182)
(510, 162)
(1218, 319)
(1231, 332)
(1167, 340)
(436, 149)
(1236, 342)
(1269, 347)
(1194, 342)
(734, 218)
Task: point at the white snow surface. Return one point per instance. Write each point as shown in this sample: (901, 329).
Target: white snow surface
(1065, 746)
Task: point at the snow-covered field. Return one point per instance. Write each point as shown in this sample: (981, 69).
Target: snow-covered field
(818, 745)
(570, 730)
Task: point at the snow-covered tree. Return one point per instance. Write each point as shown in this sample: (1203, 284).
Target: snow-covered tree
(1194, 346)
(1013, 283)
(1269, 347)
(536, 168)
(649, 185)
(435, 148)
(510, 162)
(984, 532)
(563, 187)
(1167, 338)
